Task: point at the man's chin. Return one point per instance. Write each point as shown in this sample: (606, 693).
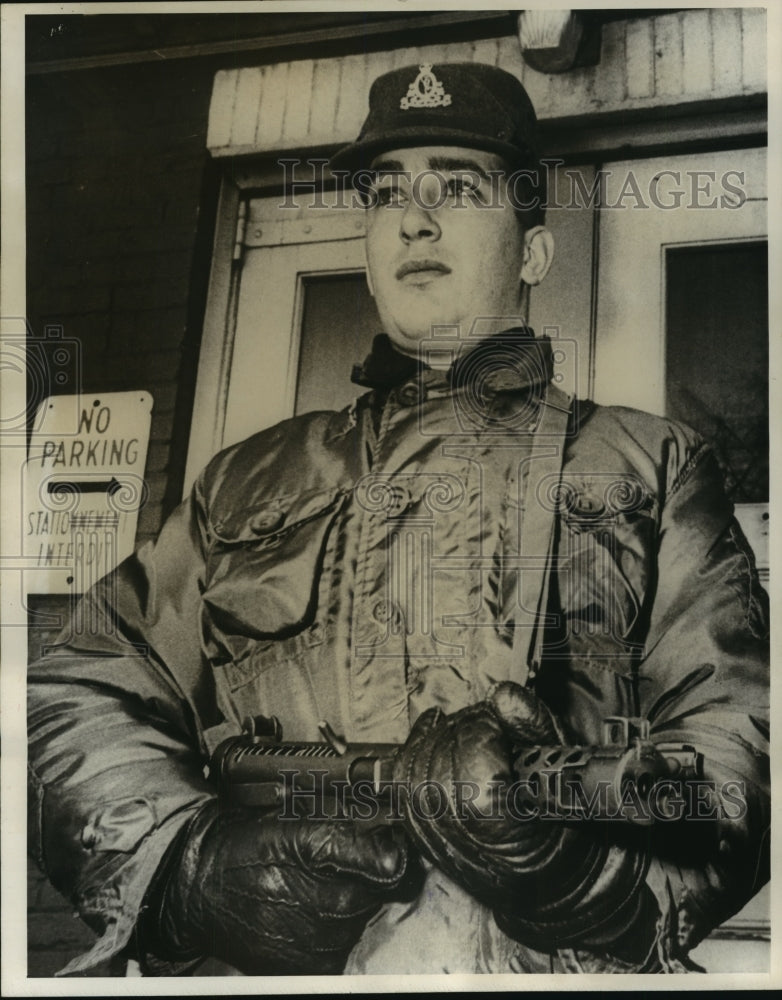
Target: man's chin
(408, 339)
(409, 343)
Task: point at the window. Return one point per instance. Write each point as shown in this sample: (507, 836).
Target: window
(716, 347)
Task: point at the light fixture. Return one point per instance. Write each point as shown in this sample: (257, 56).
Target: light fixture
(554, 41)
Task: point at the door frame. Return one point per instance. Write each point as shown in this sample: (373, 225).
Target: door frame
(252, 219)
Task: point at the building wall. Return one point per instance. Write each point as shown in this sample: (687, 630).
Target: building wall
(116, 163)
(119, 194)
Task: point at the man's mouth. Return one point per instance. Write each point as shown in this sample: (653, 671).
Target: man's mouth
(424, 269)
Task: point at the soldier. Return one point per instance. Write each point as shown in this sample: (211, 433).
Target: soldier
(462, 563)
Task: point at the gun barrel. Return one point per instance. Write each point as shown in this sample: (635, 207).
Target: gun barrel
(253, 771)
(592, 782)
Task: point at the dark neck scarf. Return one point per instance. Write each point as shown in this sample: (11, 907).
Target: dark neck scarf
(511, 360)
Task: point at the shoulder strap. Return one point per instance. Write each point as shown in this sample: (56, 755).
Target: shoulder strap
(536, 542)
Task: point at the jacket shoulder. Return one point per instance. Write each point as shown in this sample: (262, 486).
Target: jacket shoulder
(307, 453)
(663, 452)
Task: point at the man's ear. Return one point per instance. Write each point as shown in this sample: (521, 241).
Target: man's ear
(538, 255)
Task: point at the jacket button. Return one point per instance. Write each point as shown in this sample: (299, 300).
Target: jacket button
(400, 499)
(388, 612)
(589, 504)
(89, 836)
(267, 520)
(412, 393)
(383, 611)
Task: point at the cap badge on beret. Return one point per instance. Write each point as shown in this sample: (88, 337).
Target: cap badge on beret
(425, 91)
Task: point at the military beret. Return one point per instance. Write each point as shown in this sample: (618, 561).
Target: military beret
(448, 104)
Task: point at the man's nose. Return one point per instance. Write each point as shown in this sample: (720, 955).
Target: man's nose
(418, 223)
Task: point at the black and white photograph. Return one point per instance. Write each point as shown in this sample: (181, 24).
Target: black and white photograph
(386, 527)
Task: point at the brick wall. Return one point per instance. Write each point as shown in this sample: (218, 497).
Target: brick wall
(116, 163)
(119, 194)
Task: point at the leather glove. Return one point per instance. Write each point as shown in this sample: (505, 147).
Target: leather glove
(551, 883)
(270, 896)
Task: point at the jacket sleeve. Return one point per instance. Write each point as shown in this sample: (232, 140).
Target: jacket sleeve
(704, 681)
(115, 765)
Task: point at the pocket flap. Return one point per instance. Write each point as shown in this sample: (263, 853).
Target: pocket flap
(263, 570)
(269, 520)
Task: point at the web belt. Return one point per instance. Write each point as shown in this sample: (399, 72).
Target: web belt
(541, 496)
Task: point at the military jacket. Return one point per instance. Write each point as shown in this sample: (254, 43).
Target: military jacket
(365, 565)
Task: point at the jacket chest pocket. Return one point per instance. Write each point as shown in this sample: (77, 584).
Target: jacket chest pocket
(263, 570)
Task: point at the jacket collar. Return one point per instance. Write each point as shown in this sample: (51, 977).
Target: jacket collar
(512, 360)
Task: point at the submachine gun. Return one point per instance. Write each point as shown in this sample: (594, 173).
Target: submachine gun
(626, 776)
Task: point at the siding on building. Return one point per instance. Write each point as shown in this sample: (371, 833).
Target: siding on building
(669, 60)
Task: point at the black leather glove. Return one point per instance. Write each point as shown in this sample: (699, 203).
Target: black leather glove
(270, 896)
(551, 883)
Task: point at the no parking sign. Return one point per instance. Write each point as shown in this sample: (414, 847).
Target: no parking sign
(85, 486)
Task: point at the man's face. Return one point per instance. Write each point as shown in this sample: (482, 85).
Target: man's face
(444, 245)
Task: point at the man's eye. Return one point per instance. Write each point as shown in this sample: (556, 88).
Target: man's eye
(459, 187)
(389, 195)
